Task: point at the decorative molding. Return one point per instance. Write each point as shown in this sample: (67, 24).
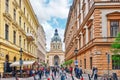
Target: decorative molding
(15, 4)
(8, 16)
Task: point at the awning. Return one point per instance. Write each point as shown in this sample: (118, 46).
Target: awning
(25, 63)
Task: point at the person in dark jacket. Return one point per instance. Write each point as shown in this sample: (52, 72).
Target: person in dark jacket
(40, 73)
(93, 69)
(79, 72)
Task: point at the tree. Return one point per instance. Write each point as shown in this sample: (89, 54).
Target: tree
(116, 50)
(116, 45)
(69, 62)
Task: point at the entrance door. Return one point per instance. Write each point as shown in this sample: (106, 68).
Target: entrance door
(56, 60)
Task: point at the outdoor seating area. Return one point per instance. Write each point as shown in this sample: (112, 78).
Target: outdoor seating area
(26, 67)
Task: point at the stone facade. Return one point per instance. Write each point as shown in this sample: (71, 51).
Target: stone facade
(41, 43)
(55, 57)
(89, 28)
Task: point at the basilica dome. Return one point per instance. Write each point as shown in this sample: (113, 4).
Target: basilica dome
(56, 37)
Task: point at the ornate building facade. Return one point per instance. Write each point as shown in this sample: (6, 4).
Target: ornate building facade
(55, 55)
(91, 27)
(41, 43)
(18, 29)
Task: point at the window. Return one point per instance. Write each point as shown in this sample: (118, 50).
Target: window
(114, 28)
(85, 63)
(84, 39)
(7, 6)
(24, 10)
(80, 42)
(90, 62)
(115, 61)
(14, 14)
(91, 33)
(20, 21)
(24, 26)
(20, 3)
(24, 43)
(80, 63)
(79, 6)
(14, 37)
(6, 31)
(20, 41)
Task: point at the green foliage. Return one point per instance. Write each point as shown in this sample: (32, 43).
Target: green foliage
(116, 45)
(69, 62)
(116, 49)
(43, 63)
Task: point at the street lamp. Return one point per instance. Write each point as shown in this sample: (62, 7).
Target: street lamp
(75, 52)
(108, 59)
(21, 62)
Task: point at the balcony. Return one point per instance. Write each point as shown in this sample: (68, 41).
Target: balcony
(30, 37)
(8, 16)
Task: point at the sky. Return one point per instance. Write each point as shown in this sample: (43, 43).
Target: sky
(52, 14)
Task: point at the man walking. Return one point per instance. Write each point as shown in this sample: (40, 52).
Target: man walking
(79, 72)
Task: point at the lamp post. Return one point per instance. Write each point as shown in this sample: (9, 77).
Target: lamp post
(21, 62)
(108, 59)
(75, 52)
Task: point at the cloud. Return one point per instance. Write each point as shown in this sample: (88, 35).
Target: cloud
(49, 11)
(50, 33)
(54, 8)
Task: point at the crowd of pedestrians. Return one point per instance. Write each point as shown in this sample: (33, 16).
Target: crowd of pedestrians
(62, 72)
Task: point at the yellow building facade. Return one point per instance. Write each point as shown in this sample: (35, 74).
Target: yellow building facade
(18, 29)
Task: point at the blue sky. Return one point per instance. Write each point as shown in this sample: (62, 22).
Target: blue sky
(52, 14)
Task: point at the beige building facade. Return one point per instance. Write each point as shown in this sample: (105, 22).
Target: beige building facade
(41, 43)
(91, 27)
(55, 57)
